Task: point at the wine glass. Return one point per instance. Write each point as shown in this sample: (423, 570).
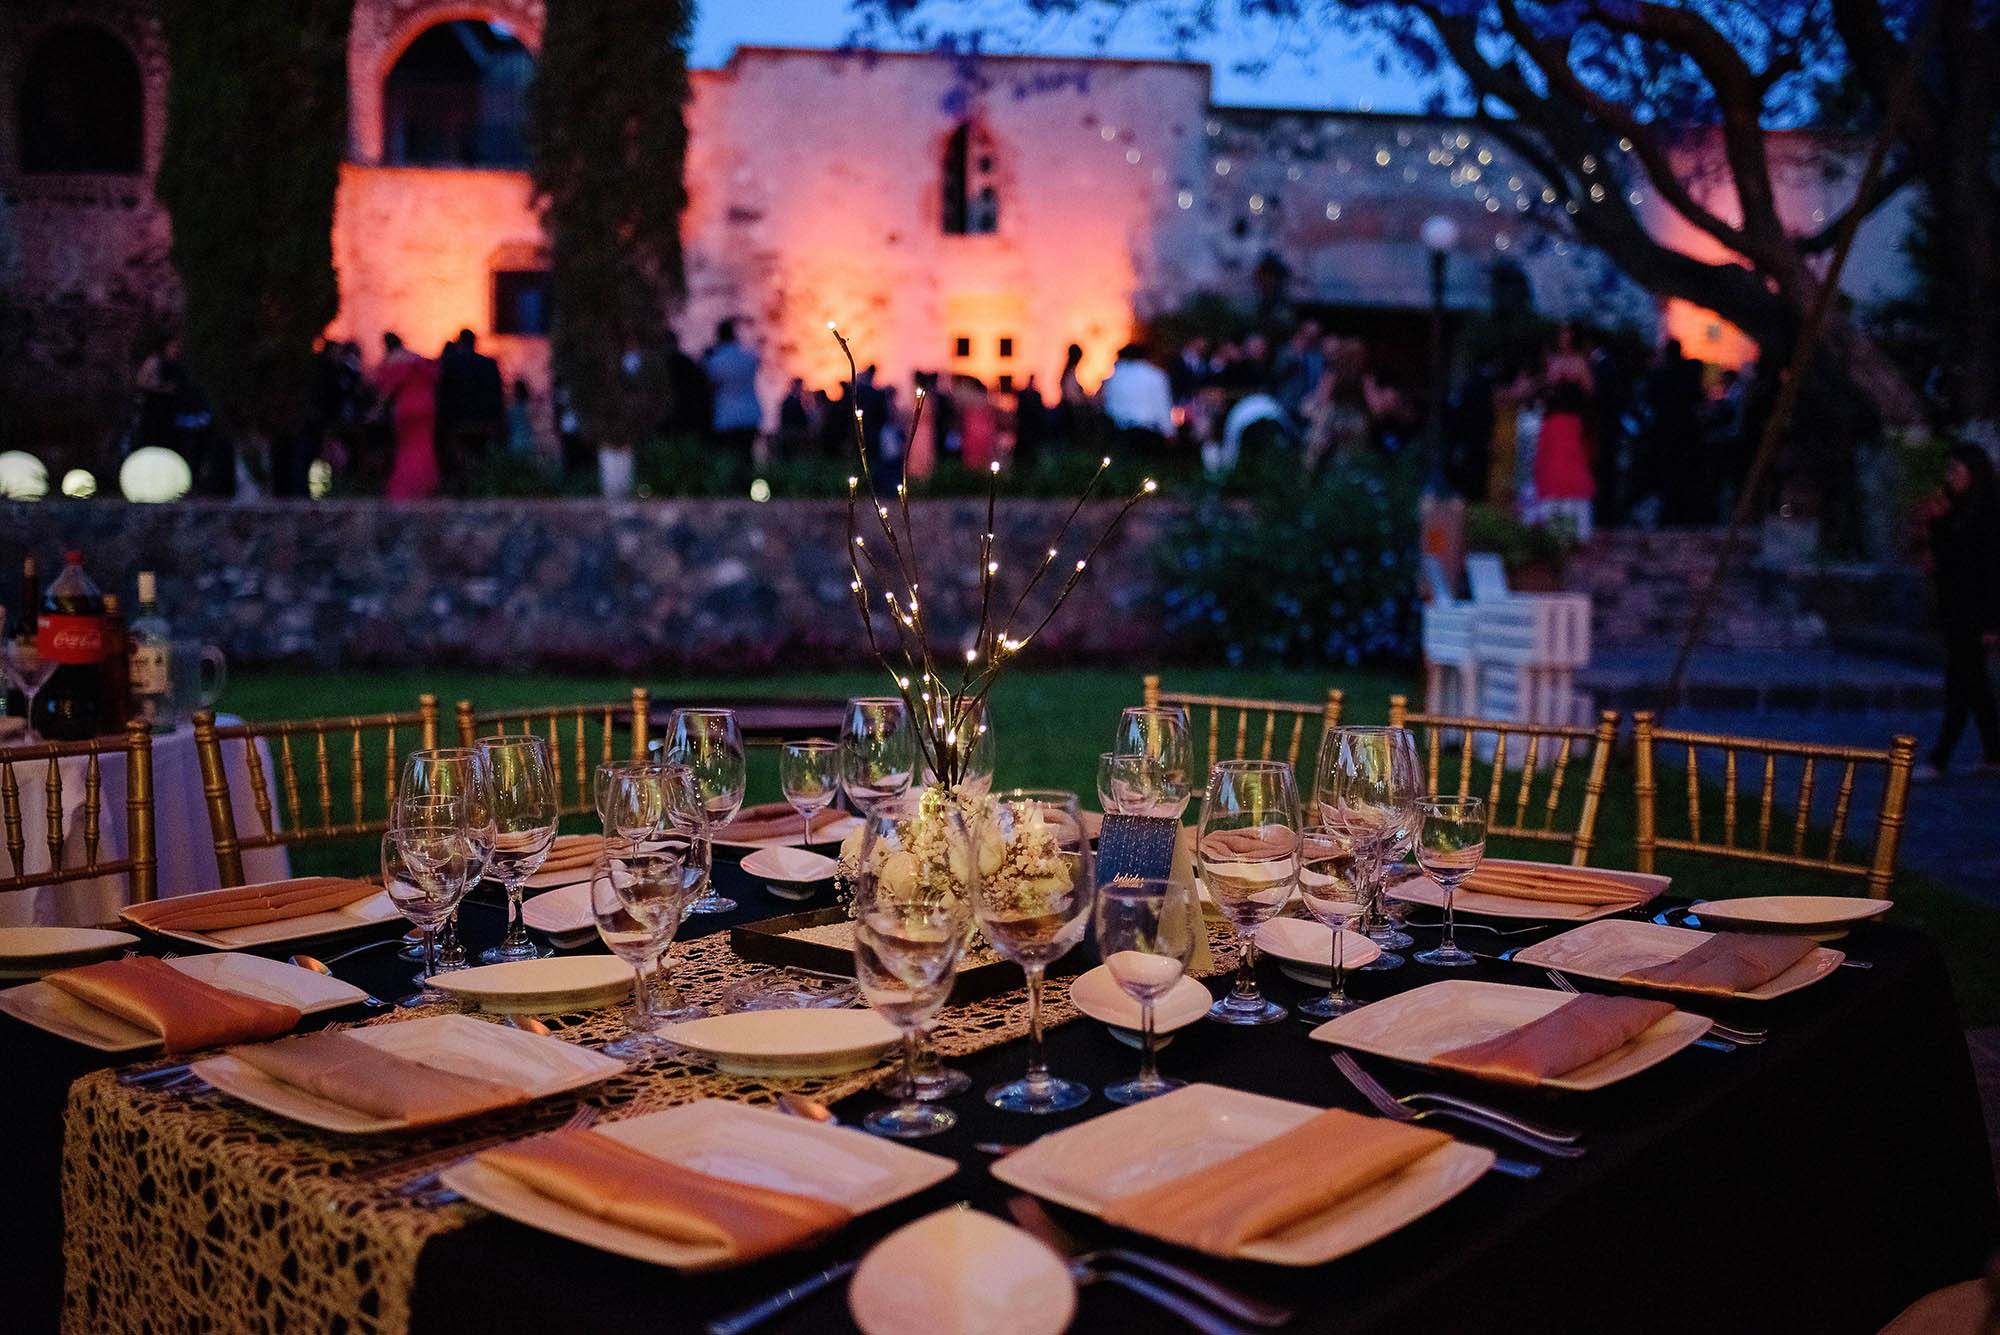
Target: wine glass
(1248, 845)
(809, 777)
(636, 801)
(708, 743)
(1369, 777)
(600, 789)
(1033, 906)
(428, 865)
(912, 917)
(1335, 871)
(638, 899)
(965, 730)
(1450, 843)
(523, 802)
(1146, 932)
(878, 750)
(1161, 732)
(1131, 785)
(685, 832)
(451, 771)
(27, 672)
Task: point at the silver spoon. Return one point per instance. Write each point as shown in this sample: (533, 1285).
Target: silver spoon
(308, 962)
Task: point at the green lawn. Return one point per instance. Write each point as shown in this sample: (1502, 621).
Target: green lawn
(1051, 726)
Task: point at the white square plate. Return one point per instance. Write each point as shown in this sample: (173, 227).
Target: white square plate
(1303, 948)
(1609, 950)
(1415, 1026)
(1423, 890)
(850, 1168)
(563, 911)
(1133, 1148)
(55, 1010)
(457, 1043)
(377, 908)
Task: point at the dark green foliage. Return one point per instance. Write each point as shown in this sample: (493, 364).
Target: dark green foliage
(607, 139)
(256, 124)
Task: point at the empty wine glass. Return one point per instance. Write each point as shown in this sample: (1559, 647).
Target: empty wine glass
(1370, 777)
(427, 867)
(1131, 785)
(451, 771)
(600, 789)
(638, 899)
(963, 728)
(27, 671)
(1146, 933)
(878, 750)
(708, 743)
(1335, 872)
(1248, 846)
(912, 917)
(1450, 843)
(1161, 732)
(523, 793)
(809, 777)
(637, 799)
(1034, 905)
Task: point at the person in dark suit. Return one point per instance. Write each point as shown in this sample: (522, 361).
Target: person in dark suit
(472, 409)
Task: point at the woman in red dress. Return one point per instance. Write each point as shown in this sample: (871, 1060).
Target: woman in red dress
(1563, 482)
(406, 386)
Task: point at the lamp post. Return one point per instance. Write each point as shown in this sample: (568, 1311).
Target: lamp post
(1439, 235)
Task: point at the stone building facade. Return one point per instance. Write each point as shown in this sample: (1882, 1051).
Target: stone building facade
(954, 216)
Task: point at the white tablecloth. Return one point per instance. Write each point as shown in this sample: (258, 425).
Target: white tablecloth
(180, 832)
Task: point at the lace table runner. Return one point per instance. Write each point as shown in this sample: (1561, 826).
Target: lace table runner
(203, 1214)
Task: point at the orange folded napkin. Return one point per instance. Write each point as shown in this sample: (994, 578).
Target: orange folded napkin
(248, 905)
(185, 1012)
(773, 820)
(574, 852)
(603, 1177)
(1726, 964)
(1278, 1183)
(1571, 1035)
(357, 1075)
(1261, 841)
(1554, 884)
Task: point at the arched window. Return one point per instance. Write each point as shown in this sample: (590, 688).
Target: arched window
(457, 97)
(82, 104)
(971, 183)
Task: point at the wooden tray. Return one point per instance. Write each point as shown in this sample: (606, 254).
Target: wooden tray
(766, 943)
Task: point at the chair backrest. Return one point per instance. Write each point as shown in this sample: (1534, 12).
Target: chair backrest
(1535, 810)
(579, 737)
(42, 763)
(1205, 715)
(1486, 577)
(1876, 866)
(336, 801)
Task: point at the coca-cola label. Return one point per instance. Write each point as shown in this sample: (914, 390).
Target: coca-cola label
(69, 639)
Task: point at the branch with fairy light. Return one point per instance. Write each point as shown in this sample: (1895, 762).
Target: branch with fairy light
(941, 709)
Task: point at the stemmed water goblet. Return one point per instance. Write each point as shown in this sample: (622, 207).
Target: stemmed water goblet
(428, 864)
(1161, 731)
(1146, 932)
(1033, 911)
(27, 671)
(878, 750)
(912, 918)
(1247, 843)
(1131, 785)
(1335, 872)
(707, 743)
(1450, 843)
(1369, 777)
(809, 777)
(451, 771)
(523, 803)
(638, 899)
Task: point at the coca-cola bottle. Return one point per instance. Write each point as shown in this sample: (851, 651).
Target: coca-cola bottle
(70, 634)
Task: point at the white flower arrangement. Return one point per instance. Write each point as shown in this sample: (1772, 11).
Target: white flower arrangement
(1022, 869)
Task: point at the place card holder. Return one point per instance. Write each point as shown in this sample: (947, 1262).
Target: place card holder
(1136, 846)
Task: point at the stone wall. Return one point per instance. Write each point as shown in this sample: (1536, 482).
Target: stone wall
(710, 585)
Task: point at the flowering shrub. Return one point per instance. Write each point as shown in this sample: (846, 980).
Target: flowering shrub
(1302, 570)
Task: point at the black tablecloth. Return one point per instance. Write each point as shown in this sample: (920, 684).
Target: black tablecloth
(1817, 1183)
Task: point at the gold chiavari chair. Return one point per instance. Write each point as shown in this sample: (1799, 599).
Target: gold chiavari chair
(334, 801)
(139, 866)
(579, 736)
(1535, 809)
(1876, 868)
(1267, 727)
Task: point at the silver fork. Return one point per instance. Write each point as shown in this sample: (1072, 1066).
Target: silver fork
(1387, 1104)
(1728, 1033)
